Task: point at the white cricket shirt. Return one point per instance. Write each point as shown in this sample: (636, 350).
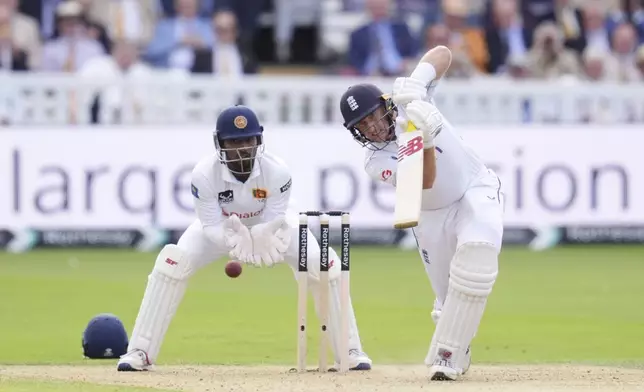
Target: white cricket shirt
(457, 165)
(217, 194)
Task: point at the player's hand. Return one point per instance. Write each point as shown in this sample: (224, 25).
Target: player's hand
(407, 90)
(270, 241)
(427, 118)
(238, 239)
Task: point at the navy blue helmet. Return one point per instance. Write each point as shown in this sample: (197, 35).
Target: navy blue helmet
(104, 337)
(238, 140)
(369, 115)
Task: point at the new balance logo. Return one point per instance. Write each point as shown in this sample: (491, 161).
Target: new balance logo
(353, 105)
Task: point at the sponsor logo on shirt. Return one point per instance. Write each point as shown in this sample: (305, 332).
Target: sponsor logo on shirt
(225, 197)
(259, 193)
(286, 186)
(243, 215)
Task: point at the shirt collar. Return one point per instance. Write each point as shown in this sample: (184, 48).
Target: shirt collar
(227, 176)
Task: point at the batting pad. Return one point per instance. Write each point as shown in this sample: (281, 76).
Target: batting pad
(166, 286)
(473, 272)
(335, 317)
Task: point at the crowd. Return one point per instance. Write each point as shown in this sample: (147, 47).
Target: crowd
(597, 40)
(588, 39)
(100, 40)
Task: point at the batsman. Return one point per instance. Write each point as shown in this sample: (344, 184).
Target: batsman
(242, 201)
(460, 204)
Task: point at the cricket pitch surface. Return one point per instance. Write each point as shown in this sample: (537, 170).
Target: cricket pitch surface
(399, 378)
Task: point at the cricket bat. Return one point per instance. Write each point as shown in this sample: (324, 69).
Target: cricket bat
(409, 178)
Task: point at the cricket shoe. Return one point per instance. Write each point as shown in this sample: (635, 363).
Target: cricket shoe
(134, 361)
(357, 361)
(442, 369)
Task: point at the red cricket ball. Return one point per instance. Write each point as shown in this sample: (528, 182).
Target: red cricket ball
(233, 269)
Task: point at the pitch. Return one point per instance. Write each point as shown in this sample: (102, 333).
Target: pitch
(564, 319)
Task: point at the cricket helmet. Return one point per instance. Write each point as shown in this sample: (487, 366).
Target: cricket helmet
(104, 337)
(234, 124)
(360, 101)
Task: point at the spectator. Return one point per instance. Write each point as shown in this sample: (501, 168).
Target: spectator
(535, 12)
(131, 20)
(469, 40)
(383, 45)
(44, 12)
(639, 60)
(110, 71)
(594, 65)
(517, 68)
(624, 43)
(595, 28)
(548, 58)
(461, 66)
(95, 27)
(21, 32)
(206, 8)
(226, 58)
(73, 47)
(505, 34)
(176, 39)
(12, 58)
(429, 9)
(632, 12)
(569, 18)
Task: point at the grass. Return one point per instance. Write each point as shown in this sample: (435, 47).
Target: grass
(577, 304)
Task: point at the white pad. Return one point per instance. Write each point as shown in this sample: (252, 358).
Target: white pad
(473, 272)
(335, 312)
(166, 286)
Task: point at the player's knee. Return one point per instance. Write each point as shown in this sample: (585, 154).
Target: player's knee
(313, 258)
(173, 262)
(474, 268)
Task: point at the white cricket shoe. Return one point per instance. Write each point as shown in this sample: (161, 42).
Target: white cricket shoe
(358, 360)
(442, 369)
(134, 361)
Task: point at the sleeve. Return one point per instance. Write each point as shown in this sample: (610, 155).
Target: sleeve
(278, 197)
(207, 208)
(431, 89)
(381, 166)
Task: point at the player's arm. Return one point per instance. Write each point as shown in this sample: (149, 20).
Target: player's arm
(429, 167)
(278, 198)
(422, 82)
(207, 208)
(272, 237)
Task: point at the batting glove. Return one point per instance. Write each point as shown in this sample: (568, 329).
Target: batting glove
(407, 90)
(427, 118)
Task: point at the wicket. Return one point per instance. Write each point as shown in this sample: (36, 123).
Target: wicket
(302, 276)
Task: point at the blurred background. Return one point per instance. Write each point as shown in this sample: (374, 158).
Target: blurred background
(106, 105)
(254, 51)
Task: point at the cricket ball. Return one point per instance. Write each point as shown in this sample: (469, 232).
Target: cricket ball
(233, 269)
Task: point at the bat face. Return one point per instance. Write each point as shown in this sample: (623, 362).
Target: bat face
(409, 178)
